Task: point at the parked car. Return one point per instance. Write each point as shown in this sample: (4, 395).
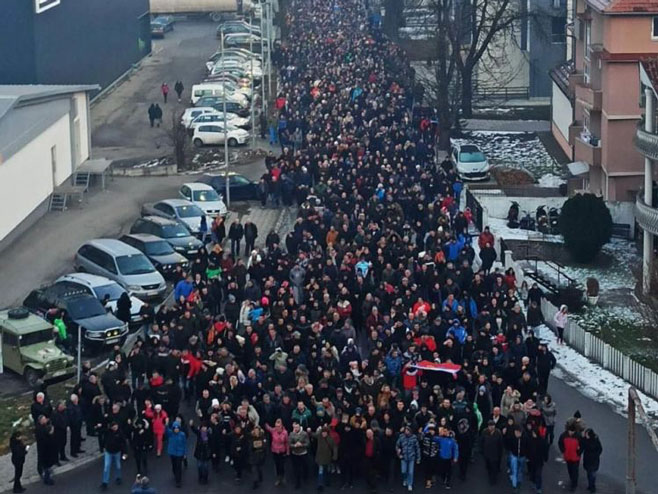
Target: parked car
(104, 288)
(99, 328)
(180, 210)
(218, 117)
(178, 236)
(233, 64)
(29, 349)
(205, 197)
(191, 113)
(213, 134)
(167, 20)
(161, 25)
(230, 84)
(122, 263)
(160, 252)
(238, 26)
(470, 162)
(217, 89)
(240, 187)
(218, 104)
(242, 40)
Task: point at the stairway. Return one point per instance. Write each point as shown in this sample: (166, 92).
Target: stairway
(81, 179)
(57, 201)
(542, 280)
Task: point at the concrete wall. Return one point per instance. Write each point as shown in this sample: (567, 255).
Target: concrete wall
(561, 112)
(29, 171)
(497, 206)
(629, 34)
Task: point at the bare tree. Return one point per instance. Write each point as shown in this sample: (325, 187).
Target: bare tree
(179, 140)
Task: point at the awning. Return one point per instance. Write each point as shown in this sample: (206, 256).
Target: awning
(94, 166)
(578, 168)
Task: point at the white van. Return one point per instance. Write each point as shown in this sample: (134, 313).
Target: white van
(217, 89)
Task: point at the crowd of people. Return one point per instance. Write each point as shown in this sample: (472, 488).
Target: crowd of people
(375, 341)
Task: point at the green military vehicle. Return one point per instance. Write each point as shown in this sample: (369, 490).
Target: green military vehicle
(28, 347)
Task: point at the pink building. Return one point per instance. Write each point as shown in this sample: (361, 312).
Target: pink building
(597, 96)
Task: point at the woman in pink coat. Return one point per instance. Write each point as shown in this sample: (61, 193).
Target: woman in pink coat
(280, 448)
(560, 321)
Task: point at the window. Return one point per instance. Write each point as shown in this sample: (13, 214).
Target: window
(654, 29)
(588, 38)
(9, 339)
(558, 29)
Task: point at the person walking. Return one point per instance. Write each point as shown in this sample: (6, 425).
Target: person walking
(430, 453)
(158, 418)
(408, 450)
(549, 412)
(60, 422)
(123, 307)
(202, 450)
(250, 236)
(571, 448)
(115, 448)
(517, 445)
(299, 443)
(46, 450)
(280, 448)
(157, 111)
(18, 452)
(176, 449)
(179, 88)
(74, 415)
(325, 453)
(448, 454)
(164, 89)
(141, 486)
(257, 450)
(239, 451)
(235, 233)
(371, 459)
(492, 446)
(141, 441)
(537, 449)
(203, 229)
(592, 449)
(560, 319)
(151, 113)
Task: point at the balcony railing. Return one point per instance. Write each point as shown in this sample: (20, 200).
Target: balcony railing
(590, 97)
(646, 216)
(575, 129)
(587, 152)
(646, 143)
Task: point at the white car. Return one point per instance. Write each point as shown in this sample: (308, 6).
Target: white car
(236, 64)
(191, 113)
(205, 197)
(470, 162)
(100, 287)
(218, 117)
(213, 134)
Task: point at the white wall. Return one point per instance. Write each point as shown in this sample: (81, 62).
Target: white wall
(498, 206)
(562, 112)
(26, 178)
(83, 115)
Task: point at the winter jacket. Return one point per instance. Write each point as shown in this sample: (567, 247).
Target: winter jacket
(560, 319)
(430, 446)
(158, 420)
(518, 446)
(298, 437)
(549, 411)
(176, 443)
(202, 449)
(492, 444)
(115, 442)
(326, 451)
(592, 450)
(279, 442)
(257, 448)
(408, 448)
(448, 448)
(236, 231)
(570, 447)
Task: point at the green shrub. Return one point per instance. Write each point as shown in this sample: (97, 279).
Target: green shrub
(586, 225)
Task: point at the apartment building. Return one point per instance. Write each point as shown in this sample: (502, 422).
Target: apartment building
(597, 94)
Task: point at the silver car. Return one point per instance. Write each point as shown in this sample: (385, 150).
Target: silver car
(122, 263)
(185, 212)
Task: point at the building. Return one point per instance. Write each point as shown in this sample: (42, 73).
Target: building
(71, 41)
(44, 137)
(596, 95)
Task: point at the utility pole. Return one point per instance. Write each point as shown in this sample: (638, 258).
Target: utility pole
(635, 405)
(262, 55)
(226, 177)
(251, 51)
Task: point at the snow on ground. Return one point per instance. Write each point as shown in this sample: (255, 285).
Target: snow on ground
(591, 379)
(550, 180)
(500, 229)
(513, 149)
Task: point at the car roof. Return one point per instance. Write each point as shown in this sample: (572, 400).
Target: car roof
(113, 246)
(197, 186)
(64, 291)
(469, 148)
(144, 237)
(26, 325)
(207, 109)
(90, 280)
(176, 202)
(159, 220)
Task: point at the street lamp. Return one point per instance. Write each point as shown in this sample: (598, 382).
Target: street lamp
(226, 177)
(251, 51)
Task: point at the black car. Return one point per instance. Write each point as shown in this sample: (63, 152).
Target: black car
(217, 103)
(175, 233)
(99, 328)
(240, 187)
(159, 251)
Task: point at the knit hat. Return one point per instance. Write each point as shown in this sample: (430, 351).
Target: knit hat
(215, 402)
(176, 425)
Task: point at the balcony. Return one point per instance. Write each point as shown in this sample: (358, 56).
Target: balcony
(647, 217)
(589, 97)
(646, 143)
(588, 152)
(575, 78)
(575, 129)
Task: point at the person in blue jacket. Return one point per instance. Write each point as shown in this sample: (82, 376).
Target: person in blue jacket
(176, 449)
(183, 288)
(448, 454)
(457, 331)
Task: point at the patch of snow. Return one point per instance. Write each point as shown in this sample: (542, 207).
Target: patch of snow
(591, 379)
(550, 180)
(500, 229)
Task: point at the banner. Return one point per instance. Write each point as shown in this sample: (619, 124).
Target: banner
(433, 366)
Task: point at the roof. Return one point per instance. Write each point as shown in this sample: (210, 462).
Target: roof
(28, 110)
(625, 6)
(650, 68)
(159, 220)
(176, 202)
(197, 186)
(560, 75)
(144, 237)
(91, 280)
(113, 246)
(28, 324)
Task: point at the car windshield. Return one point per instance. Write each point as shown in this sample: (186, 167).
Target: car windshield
(84, 307)
(174, 231)
(113, 290)
(471, 154)
(159, 248)
(189, 211)
(36, 337)
(206, 196)
(134, 264)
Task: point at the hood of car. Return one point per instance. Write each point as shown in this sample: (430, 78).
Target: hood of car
(193, 223)
(100, 323)
(472, 167)
(42, 352)
(174, 258)
(210, 206)
(187, 243)
(153, 278)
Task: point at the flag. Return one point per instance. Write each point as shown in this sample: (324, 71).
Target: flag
(433, 366)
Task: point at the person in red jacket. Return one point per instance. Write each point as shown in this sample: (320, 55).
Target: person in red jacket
(486, 237)
(570, 447)
(158, 418)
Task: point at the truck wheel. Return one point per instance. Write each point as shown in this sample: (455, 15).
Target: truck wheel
(18, 313)
(31, 376)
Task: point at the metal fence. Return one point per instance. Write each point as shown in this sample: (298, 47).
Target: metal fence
(604, 354)
(476, 208)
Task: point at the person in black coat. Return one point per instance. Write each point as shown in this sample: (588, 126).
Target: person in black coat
(250, 236)
(488, 256)
(74, 414)
(235, 233)
(492, 445)
(18, 452)
(40, 406)
(46, 449)
(592, 450)
(537, 449)
(60, 422)
(141, 440)
(123, 307)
